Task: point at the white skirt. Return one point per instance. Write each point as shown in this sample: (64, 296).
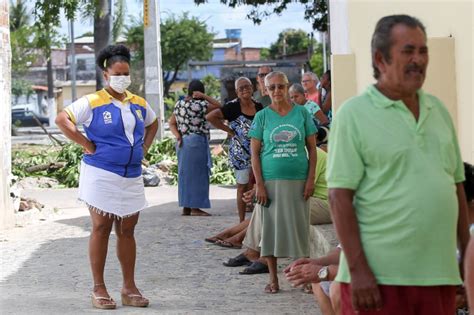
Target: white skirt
(111, 194)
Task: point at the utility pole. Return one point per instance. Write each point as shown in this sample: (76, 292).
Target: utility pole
(153, 72)
(73, 63)
(325, 59)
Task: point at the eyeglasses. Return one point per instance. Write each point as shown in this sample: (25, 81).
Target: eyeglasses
(306, 81)
(244, 87)
(273, 87)
(262, 75)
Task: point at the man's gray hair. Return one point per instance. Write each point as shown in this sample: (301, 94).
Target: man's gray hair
(240, 79)
(382, 37)
(276, 74)
(313, 76)
(296, 88)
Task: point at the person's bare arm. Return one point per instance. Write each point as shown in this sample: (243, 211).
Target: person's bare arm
(469, 273)
(69, 129)
(213, 103)
(174, 128)
(261, 192)
(216, 118)
(463, 225)
(150, 132)
(326, 106)
(321, 117)
(305, 270)
(312, 156)
(365, 292)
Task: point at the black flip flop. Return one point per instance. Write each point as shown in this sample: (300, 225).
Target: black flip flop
(238, 261)
(255, 268)
(212, 239)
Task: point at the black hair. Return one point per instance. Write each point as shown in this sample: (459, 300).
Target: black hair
(195, 85)
(382, 37)
(469, 183)
(112, 54)
(328, 73)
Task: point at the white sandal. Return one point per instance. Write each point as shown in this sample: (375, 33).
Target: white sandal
(105, 306)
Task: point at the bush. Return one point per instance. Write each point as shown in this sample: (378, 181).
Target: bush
(71, 154)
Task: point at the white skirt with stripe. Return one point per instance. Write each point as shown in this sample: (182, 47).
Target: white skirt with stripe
(111, 194)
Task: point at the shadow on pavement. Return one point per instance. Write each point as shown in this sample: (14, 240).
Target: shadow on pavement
(176, 270)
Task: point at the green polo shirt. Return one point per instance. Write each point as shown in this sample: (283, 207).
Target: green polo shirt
(403, 173)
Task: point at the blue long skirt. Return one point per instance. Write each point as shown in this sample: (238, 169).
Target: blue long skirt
(194, 169)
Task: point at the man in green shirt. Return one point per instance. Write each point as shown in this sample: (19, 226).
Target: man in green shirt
(261, 94)
(395, 185)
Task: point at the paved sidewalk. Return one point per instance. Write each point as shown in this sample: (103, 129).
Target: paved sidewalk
(45, 268)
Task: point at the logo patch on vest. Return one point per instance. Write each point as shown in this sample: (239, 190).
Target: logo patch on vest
(139, 114)
(107, 117)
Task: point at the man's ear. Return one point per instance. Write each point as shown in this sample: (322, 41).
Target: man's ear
(380, 61)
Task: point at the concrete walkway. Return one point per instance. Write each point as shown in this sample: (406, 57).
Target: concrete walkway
(45, 267)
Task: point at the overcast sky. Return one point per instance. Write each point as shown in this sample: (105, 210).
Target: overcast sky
(219, 17)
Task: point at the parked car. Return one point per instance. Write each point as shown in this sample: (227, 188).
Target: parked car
(23, 117)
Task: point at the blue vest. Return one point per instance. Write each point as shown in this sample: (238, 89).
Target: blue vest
(114, 152)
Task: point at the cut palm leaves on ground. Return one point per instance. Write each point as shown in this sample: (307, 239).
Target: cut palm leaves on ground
(29, 157)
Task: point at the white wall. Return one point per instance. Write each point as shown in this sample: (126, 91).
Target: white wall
(442, 19)
(6, 209)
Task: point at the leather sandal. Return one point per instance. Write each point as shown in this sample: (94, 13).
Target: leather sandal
(238, 261)
(255, 268)
(272, 288)
(96, 302)
(136, 300)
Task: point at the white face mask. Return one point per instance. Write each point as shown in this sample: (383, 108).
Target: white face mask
(119, 83)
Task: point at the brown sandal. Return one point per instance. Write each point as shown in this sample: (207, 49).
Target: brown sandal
(136, 300)
(272, 288)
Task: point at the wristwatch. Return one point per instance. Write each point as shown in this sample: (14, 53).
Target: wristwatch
(323, 273)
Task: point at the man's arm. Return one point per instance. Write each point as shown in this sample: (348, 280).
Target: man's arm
(306, 270)
(365, 292)
(463, 225)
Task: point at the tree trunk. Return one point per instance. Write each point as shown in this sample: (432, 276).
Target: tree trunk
(102, 35)
(52, 111)
(170, 82)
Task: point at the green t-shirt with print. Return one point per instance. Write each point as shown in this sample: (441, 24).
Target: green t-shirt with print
(283, 154)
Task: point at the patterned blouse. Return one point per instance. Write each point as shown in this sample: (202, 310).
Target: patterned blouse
(239, 149)
(191, 116)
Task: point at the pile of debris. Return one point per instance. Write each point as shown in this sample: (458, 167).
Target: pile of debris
(158, 174)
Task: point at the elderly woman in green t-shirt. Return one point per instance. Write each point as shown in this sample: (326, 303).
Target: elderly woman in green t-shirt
(284, 173)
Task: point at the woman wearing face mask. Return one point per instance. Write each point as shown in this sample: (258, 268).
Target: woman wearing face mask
(119, 128)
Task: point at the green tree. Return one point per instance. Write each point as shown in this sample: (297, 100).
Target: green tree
(289, 41)
(316, 61)
(135, 40)
(183, 38)
(21, 87)
(21, 38)
(47, 15)
(213, 86)
(264, 54)
(316, 11)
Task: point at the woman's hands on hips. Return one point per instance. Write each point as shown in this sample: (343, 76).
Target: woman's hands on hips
(308, 189)
(261, 194)
(89, 147)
